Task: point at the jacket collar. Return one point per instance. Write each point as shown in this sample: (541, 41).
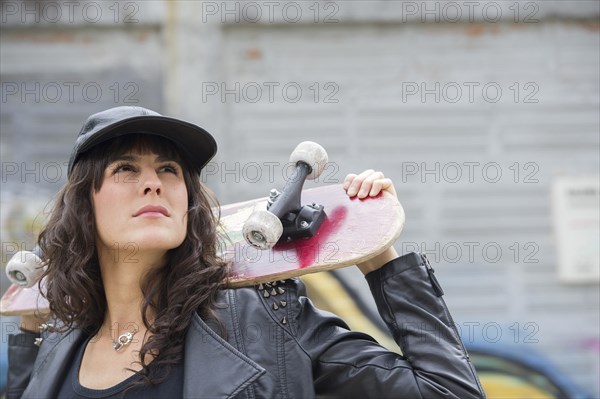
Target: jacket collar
(55, 354)
(212, 367)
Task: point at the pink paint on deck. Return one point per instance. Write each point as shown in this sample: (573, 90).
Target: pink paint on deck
(306, 250)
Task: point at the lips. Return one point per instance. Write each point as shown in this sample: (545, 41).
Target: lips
(151, 210)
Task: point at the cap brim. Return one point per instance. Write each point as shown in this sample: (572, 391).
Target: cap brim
(198, 145)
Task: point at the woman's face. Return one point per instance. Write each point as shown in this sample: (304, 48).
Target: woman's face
(141, 205)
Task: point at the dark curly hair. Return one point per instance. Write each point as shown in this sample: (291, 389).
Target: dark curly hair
(188, 283)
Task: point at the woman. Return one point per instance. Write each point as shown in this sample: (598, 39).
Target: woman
(136, 288)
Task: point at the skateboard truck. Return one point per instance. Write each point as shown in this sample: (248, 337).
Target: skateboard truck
(285, 219)
(298, 221)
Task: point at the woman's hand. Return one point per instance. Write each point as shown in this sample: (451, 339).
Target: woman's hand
(369, 184)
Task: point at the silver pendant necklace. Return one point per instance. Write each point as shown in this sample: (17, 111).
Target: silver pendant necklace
(123, 340)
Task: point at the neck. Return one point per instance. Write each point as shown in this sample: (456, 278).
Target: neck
(122, 272)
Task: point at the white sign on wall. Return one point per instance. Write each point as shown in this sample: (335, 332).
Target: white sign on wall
(576, 208)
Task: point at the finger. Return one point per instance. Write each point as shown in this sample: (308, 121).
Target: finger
(357, 182)
(367, 183)
(348, 180)
(382, 185)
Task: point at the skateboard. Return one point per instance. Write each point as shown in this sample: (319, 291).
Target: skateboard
(271, 238)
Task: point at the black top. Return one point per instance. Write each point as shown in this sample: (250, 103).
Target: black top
(172, 387)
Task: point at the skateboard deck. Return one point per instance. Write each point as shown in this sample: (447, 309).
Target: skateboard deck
(354, 230)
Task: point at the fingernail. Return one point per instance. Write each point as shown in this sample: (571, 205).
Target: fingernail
(352, 192)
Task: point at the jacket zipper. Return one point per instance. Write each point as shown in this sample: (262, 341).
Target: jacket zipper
(434, 282)
(438, 289)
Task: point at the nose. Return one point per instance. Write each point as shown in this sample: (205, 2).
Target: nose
(151, 183)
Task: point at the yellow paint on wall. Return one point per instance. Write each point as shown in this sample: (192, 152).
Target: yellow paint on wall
(507, 387)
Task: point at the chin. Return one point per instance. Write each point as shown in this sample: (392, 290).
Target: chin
(158, 241)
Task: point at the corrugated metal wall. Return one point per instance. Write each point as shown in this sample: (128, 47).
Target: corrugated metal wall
(473, 121)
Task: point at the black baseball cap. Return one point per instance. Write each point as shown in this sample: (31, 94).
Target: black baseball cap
(197, 145)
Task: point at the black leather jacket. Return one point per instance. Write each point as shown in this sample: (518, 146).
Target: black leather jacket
(278, 345)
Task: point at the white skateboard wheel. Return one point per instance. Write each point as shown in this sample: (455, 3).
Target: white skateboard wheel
(25, 269)
(313, 154)
(262, 229)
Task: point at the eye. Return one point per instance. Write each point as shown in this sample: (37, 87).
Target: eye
(123, 167)
(169, 168)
